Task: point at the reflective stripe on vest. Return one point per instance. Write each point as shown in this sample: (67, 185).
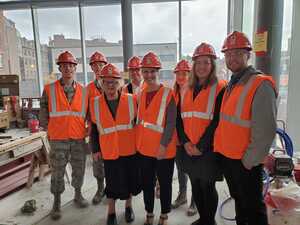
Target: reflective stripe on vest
(159, 122)
(236, 118)
(116, 128)
(208, 115)
(54, 112)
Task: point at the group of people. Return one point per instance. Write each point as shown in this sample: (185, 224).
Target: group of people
(211, 128)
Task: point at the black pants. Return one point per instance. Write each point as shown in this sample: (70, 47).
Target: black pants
(206, 199)
(245, 186)
(151, 169)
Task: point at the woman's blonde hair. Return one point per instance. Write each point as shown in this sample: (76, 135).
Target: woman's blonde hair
(211, 79)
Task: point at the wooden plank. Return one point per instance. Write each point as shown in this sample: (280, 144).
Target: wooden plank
(20, 156)
(8, 172)
(12, 182)
(8, 146)
(23, 149)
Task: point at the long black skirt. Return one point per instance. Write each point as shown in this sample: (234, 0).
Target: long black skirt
(123, 177)
(205, 167)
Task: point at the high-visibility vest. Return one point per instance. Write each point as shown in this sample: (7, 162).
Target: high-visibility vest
(66, 121)
(197, 113)
(233, 135)
(93, 91)
(116, 135)
(125, 88)
(151, 122)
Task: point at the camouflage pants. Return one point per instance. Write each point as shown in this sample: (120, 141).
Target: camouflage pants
(61, 153)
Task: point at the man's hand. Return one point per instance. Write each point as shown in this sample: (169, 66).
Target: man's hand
(161, 152)
(97, 156)
(196, 151)
(188, 148)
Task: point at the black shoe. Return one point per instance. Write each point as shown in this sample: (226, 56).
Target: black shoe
(129, 215)
(111, 219)
(197, 222)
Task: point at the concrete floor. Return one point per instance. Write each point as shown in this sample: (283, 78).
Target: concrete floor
(93, 215)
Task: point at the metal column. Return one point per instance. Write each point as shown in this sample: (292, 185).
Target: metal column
(37, 50)
(180, 29)
(235, 15)
(269, 17)
(293, 106)
(126, 6)
(82, 38)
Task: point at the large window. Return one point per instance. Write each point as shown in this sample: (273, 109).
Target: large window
(17, 50)
(59, 31)
(204, 21)
(1, 61)
(155, 28)
(285, 59)
(103, 27)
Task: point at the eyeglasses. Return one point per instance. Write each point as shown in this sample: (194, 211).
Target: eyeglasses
(236, 53)
(110, 83)
(150, 71)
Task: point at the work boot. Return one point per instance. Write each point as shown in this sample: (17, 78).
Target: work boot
(180, 200)
(192, 210)
(55, 212)
(99, 193)
(79, 200)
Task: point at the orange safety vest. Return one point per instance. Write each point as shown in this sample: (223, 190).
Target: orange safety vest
(151, 122)
(93, 91)
(197, 113)
(116, 136)
(233, 135)
(125, 89)
(66, 121)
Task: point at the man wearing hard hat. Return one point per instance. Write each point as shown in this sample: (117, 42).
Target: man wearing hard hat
(246, 130)
(97, 62)
(63, 112)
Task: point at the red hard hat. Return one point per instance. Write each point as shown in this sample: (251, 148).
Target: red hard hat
(134, 63)
(98, 57)
(150, 60)
(204, 49)
(236, 40)
(182, 65)
(66, 57)
(110, 70)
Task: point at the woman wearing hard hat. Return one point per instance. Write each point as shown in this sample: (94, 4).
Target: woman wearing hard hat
(113, 137)
(156, 122)
(195, 129)
(182, 72)
(134, 72)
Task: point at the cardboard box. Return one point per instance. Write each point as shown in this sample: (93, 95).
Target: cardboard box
(4, 120)
(12, 107)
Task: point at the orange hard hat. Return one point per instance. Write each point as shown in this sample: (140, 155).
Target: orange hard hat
(182, 65)
(66, 57)
(98, 57)
(134, 63)
(150, 60)
(110, 70)
(204, 49)
(236, 40)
